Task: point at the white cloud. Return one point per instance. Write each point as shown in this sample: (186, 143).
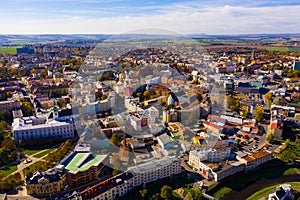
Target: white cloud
(211, 20)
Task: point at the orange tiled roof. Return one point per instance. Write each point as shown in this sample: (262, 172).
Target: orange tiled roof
(261, 154)
(249, 158)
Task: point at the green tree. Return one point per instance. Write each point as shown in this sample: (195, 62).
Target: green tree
(115, 139)
(156, 197)
(166, 192)
(195, 194)
(6, 116)
(147, 95)
(258, 112)
(199, 97)
(22, 143)
(143, 193)
(270, 137)
(268, 97)
(7, 144)
(26, 109)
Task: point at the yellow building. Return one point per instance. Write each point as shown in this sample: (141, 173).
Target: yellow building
(51, 181)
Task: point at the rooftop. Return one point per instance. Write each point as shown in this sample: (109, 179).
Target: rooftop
(83, 161)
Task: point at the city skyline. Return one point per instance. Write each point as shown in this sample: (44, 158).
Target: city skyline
(122, 16)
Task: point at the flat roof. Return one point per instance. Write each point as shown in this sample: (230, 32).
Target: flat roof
(83, 161)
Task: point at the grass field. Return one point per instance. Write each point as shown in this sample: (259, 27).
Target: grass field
(8, 50)
(9, 170)
(222, 192)
(31, 151)
(33, 168)
(43, 153)
(264, 192)
(237, 183)
(291, 171)
(283, 49)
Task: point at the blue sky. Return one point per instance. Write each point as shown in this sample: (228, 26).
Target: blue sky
(121, 16)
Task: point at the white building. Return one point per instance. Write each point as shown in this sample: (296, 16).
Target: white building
(123, 183)
(155, 170)
(40, 127)
(209, 155)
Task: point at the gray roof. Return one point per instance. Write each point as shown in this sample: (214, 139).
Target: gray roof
(164, 138)
(155, 164)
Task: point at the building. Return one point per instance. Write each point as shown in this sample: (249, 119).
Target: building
(209, 155)
(82, 166)
(155, 170)
(111, 188)
(3, 197)
(254, 160)
(48, 182)
(10, 105)
(41, 126)
(282, 192)
(121, 184)
(172, 115)
(165, 141)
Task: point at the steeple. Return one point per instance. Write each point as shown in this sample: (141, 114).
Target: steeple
(55, 109)
(252, 55)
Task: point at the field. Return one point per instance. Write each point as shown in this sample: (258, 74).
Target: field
(222, 192)
(8, 50)
(39, 155)
(34, 167)
(236, 183)
(283, 49)
(264, 192)
(9, 170)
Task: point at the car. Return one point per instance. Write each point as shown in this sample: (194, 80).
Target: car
(28, 160)
(25, 161)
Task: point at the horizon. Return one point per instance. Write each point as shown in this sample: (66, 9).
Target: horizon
(233, 17)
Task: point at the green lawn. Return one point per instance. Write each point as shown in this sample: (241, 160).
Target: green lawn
(291, 171)
(43, 153)
(31, 151)
(294, 49)
(237, 183)
(222, 192)
(9, 170)
(264, 192)
(33, 168)
(8, 50)
(281, 49)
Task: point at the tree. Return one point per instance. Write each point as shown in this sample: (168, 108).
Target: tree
(258, 112)
(115, 139)
(21, 143)
(268, 97)
(147, 95)
(6, 116)
(199, 97)
(195, 194)
(26, 109)
(166, 192)
(156, 197)
(143, 193)
(32, 142)
(270, 137)
(7, 144)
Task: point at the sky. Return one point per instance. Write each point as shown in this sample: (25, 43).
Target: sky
(123, 16)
